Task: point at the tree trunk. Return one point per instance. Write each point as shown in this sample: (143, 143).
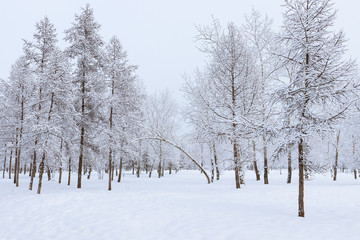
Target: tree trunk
(237, 177)
(216, 163)
(336, 155)
(163, 168)
(81, 151)
(139, 161)
(69, 176)
(60, 172)
(112, 171)
(120, 170)
(41, 173)
(110, 163)
(4, 163)
(212, 170)
(60, 161)
(33, 171)
(89, 174)
(151, 167)
(266, 174)
(301, 210)
(48, 172)
(160, 158)
(289, 167)
(16, 157)
(257, 174)
(11, 152)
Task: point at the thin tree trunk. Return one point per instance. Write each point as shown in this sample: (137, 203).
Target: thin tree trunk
(82, 136)
(237, 177)
(139, 161)
(336, 155)
(88, 177)
(151, 168)
(257, 174)
(48, 172)
(60, 169)
(4, 163)
(163, 168)
(216, 163)
(60, 172)
(112, 171)
(160, 158)
(266, 173)
(355, 176)
(16, 156)
(110, 163)
(41, 168)
(301, 210)
(120, 169)
(212, 170)
(11, 153)
(69, 176)
(289, 167)
(33, 171)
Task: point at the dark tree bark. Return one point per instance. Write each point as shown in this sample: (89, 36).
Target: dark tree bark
(4, 163)
(212, 170)
(289, 168)
(266, 173)
(89, 174)
(11, 153)
(237, 177)
(16, 156)
(112, 171)
(301, 209)
(48, 172)
(60, 172)
(69, 176)
(257, 174)
(110, 164)
(151, 168)
(60, 168)
(160, 159)
(120, 169)
(139, 161)
(82, 136)
(216, 163)
(41, 168)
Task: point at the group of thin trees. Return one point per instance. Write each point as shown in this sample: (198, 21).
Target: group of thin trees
(285, 90)
(260, 93)
(68, 109)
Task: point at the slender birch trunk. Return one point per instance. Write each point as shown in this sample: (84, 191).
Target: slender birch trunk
(301, 209)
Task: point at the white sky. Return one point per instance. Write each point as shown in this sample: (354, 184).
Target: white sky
(158, 34)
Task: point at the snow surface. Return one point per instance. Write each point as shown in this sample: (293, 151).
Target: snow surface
(181, 206)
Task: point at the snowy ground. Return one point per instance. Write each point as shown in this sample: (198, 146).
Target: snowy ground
(181, 206)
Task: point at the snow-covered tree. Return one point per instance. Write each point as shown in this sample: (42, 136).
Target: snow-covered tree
(85, 47)
(227, 87)
(124, 101)
(321, 88)
(262, 42)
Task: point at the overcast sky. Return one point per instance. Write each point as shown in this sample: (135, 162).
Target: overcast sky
(158, 34)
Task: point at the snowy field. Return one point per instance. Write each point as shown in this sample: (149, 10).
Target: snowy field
(181, 206)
